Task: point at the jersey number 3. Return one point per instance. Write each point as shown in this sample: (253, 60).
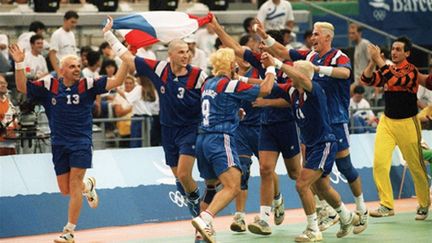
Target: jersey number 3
(72, 99)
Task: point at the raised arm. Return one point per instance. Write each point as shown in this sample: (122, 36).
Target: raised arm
(20, 78)
(226, 39)
(118, 79)
(276, 47)
(117, 46)
(301, 73)
(270, 74)
(371, 77)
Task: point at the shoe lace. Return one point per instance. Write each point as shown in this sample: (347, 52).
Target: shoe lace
(422, 211)
(382, 209)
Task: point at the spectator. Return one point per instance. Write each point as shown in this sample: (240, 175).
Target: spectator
(199, 58)
(307, 41)
(247, 26)
(83, 55)
(276, 15)
(122, 109)
(4, 55)
(108, 68)
(63, 40)
(7, 120)
(361, 56)
(36, 28)
(206, 38)
(146, 52)
(108, 53)
(363, 118)
(93, 65)
(36, 66)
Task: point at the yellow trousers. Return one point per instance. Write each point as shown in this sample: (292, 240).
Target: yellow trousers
(406, 134)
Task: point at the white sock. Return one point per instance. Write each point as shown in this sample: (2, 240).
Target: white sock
(241, 215)
(207, 216)
(312, 222)
(343, 212)
(360, 204)
(69, 227)
(265, 213)
(278, 199)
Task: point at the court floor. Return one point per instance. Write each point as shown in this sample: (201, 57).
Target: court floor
(400, 228)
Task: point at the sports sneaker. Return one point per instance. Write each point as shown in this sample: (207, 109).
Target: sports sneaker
(362, 224)
(279, 213)
(204, 229)
(91, 195)
(327, 217)
(346, 227)
(66, 237)
(422, 213)
(259, 227)
(309, 236)
(194, 206)
(238, 224)
(382, 211)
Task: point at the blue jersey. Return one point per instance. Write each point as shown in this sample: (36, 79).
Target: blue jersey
(270, 114)
(221, 99)
(337, 90)
(311, 114)
(253, 114)
(180, 97)
(69, 109)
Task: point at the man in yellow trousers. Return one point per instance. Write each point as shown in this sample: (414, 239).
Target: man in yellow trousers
(398, 126)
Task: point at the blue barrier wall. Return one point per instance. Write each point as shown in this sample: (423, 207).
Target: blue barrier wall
(135, 187)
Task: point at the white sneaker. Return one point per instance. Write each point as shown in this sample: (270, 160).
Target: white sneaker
(346, 227)
(91, 195)
(362, 224)
(309, 236)
(66, 237)
(279, 212)
(206, 230)
(327, 217)
(238, 224)
(259, 227)
(422, 213)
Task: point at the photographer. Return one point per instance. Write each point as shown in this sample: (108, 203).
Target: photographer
(7, 120)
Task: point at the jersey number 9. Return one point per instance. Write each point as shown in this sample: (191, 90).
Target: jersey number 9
(205, 110)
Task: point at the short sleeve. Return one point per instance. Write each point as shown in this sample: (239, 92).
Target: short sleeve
(242, 91)
(97, 86)
(254, 60)
(298, 54)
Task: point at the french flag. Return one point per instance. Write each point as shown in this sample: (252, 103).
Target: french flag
(146, 28)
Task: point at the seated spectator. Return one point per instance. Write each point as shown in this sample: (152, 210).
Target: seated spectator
(206, 38)
(4, 54)
(7, 121)
(363, 118)
(35, 64)
(93, 65)
(108, 68)
(108, 53)
(307, 41)
(199, 58)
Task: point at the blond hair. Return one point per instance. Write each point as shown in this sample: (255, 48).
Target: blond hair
(66, 59)
(174, 43)
(326, 27)
(305, 67)
(222, 60)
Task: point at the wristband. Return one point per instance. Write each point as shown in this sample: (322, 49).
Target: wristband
(278, 63)
(326, 70)
(19, 66)
(116, 45)
(243, 79)
(270, 69)
(269, 41)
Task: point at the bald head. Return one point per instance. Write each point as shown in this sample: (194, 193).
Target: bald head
(176, 43)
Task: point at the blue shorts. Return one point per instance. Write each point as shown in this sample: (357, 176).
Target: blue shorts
(216, 153)
(341, 132)
(246, 140)
(67, 156)
(321, 157)
(176, 141)
(280, 137)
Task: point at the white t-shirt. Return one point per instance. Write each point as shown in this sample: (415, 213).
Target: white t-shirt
(363, 104)
(199, 59)
(36, 64)
(274, 16)
(424, 95)
(361, 59)
(63, 42)
(149, 54)
(139, 106)
(4, 40)
(205, 41)
(87, 73)
(24, 41)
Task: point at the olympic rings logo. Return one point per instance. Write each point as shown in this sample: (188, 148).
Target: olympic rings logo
(177, 198)
(379, 15)
(338, 176)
